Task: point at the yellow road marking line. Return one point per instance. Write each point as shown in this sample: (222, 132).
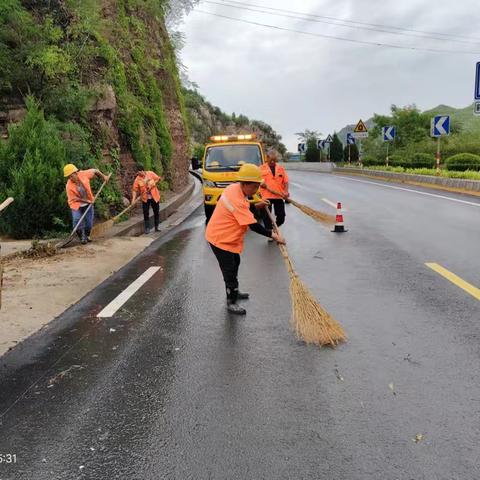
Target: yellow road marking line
(455, 279)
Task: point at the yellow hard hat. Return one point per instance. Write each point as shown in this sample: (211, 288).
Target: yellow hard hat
(69, 169)
(249, 173)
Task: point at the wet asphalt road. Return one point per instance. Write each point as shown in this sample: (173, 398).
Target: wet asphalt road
(181, 390)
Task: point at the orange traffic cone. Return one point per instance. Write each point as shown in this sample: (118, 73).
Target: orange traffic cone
(339, 227)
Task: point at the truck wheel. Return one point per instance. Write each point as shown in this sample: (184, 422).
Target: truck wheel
(208, 211)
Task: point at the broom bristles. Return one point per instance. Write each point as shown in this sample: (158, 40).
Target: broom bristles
(315, 214)
(311, 322)
(101, 228)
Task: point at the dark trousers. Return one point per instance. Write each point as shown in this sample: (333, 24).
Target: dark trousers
(146, 212)
(229, 263)
(279, 205)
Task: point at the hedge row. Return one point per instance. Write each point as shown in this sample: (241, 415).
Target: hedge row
(460, 162)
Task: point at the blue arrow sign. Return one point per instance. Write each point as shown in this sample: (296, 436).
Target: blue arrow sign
(389, 134)
(477, 82)
(350, 139)
(440, 126)
(301, 148)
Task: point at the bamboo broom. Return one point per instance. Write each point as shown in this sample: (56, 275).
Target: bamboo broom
(102, 228)
(311, 322)
(315, 214)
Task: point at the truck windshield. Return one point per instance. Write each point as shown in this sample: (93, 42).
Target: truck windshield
(232, 157)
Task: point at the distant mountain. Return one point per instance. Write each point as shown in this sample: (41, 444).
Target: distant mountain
(462, 116)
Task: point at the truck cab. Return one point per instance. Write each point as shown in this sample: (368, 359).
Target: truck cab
(222, 159)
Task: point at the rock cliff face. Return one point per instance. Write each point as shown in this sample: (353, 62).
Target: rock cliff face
(106, 66)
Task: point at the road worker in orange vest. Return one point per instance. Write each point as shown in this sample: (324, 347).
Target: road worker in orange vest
(145, 186)
(227, 228)
(80, 196)
(274, 188)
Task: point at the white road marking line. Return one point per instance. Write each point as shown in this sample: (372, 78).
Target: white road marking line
(297, 185)
(411, 190)
(329, 202)
(122, 298)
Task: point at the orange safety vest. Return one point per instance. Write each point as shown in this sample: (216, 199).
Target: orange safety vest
(72, 188)
(230, 220)
(147, 185)
(275, 182)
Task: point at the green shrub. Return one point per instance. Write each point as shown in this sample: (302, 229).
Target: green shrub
(370, 160)
(396, 160)
(463, 161)
(421, 160)
(31, 171)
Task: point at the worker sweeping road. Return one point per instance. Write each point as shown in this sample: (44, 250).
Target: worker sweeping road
(274, 188)
(145, 185)
(80, 197)
(227, 228)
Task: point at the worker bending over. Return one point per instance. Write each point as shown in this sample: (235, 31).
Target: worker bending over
(227, 228)
(274, 188)
(80, 196)
(145, 185)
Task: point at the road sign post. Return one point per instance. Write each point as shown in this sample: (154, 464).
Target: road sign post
(438, 155)
(439, 127)
(350, 142)
(359, 132)
(389, 133)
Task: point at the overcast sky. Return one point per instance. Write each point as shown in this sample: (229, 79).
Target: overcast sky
(295, 81)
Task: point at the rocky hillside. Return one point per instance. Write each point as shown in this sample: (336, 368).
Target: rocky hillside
(206, 120)
(103, 72)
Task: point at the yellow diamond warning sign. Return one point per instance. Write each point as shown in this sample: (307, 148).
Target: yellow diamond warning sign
(361, 130)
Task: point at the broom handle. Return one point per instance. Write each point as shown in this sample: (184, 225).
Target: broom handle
(124, 211)
(89, 207)
(283, 248)
(6, 203)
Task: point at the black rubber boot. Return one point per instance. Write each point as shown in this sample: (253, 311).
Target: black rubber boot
(232, 305)
(87, 233)
(235, 308)
(84, 238)
(243, 296)
(147, 227)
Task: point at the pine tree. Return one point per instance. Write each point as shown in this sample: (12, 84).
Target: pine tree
(336, 149)
(313, 153)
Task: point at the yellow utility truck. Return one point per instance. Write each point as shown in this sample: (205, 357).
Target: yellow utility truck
(222, 159)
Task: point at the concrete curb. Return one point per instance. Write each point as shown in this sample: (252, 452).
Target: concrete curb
(471, 187)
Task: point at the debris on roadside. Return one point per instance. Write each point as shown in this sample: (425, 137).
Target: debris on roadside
(61, 375)
(391, 386)
(418, 438)
(337, 374)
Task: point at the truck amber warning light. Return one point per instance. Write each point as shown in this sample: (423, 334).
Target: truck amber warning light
(232, 138)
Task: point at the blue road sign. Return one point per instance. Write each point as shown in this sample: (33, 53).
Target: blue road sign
(477, 82)
(321, 144)
(440, 126)
(389, 133)
(301, 148)
(350, 139)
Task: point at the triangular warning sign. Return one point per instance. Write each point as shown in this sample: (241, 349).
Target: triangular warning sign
(360, 128)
